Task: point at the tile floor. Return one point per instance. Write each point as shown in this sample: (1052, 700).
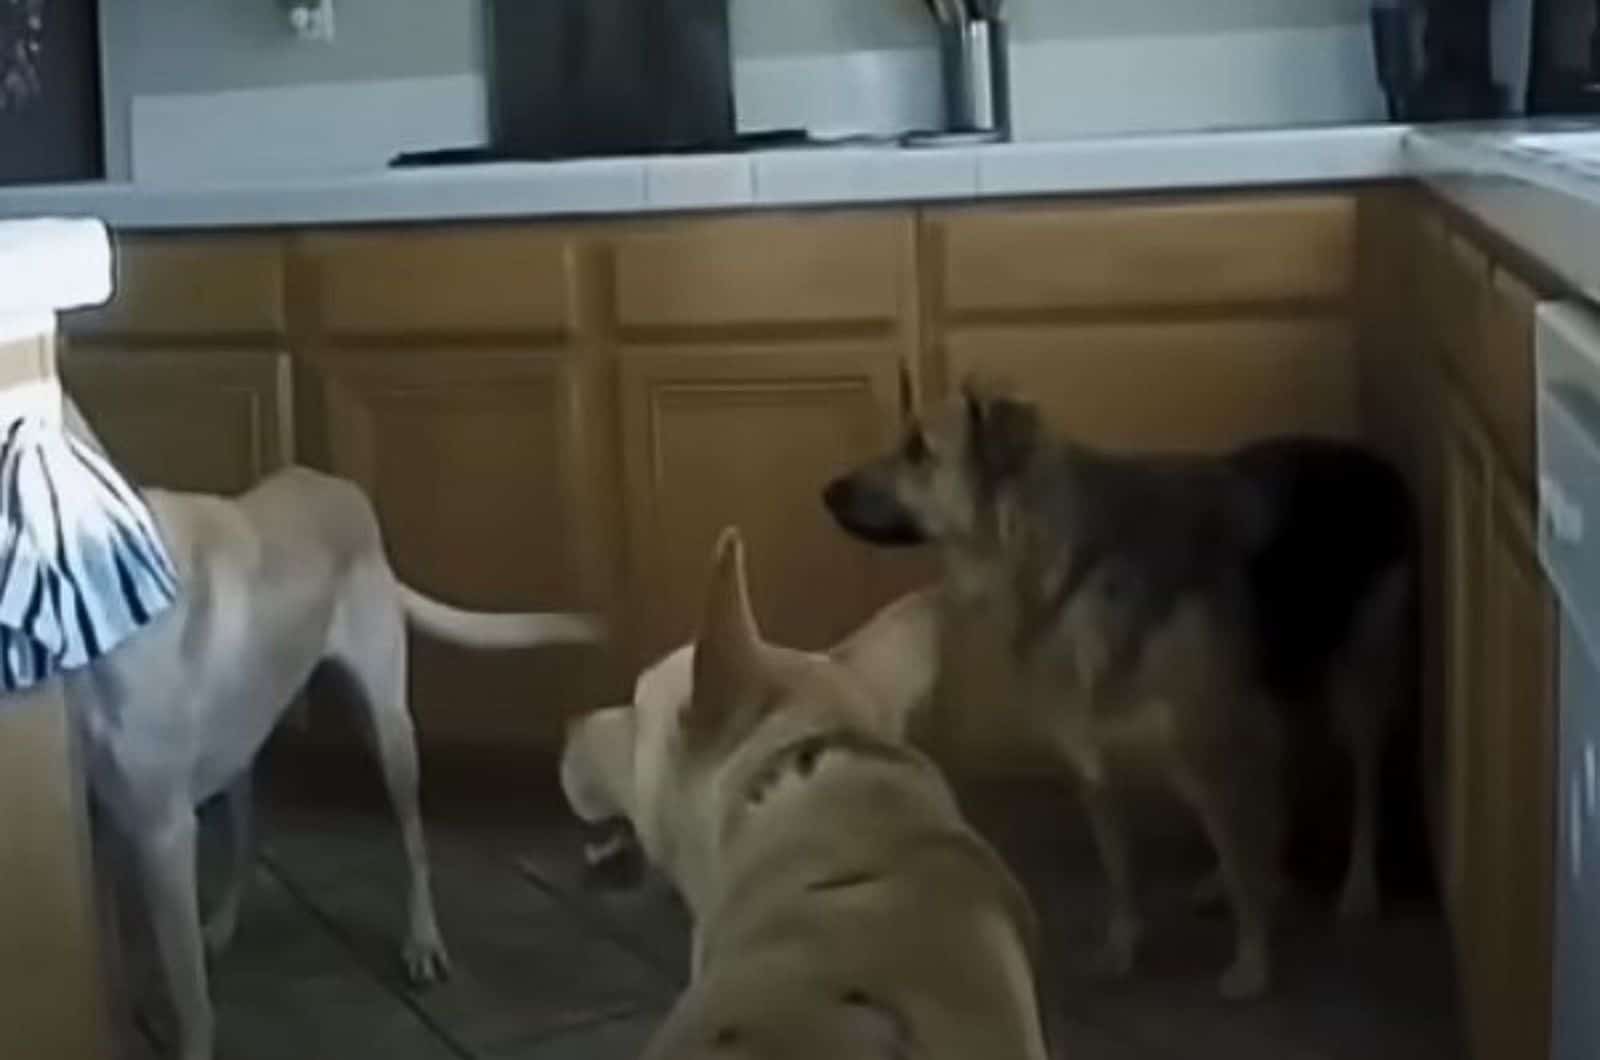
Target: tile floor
(549, 969)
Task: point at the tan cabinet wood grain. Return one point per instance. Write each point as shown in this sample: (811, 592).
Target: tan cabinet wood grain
(412, 283)
(751, 437)
(1519, 752)
(1101, 257)
(824, 271)
(1505, 377)
(1500, 704)
(1467, 487)
(206, 420)
(208, 285)
(53, 1000)
(1180, 385)
(475, 461)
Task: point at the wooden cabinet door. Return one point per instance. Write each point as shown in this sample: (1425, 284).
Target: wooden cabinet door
(1519, 753)
(750, 436)
(478, 464)
(1500, 747)
(1466, 500)
(207, 420)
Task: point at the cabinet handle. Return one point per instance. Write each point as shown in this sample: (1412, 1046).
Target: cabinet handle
(1564, 514)
(905, 391)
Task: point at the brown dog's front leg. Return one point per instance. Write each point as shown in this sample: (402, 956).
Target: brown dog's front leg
(1124, 926)
(1241, 837)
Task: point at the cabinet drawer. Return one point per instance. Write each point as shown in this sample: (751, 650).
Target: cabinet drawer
(822, 270)
(1100, 256)
(207, 420)
(499, 281)
(1460, 302)
(226, 285)
(1176, 386)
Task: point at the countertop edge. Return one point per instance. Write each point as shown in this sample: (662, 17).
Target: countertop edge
(817, 177)
(1543, 210)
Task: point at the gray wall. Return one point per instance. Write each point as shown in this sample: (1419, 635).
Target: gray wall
(779, 27)
(211, 45)
(208, 46)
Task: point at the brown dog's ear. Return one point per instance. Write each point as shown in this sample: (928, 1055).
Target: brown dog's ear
(729, 663)
(1003, 432)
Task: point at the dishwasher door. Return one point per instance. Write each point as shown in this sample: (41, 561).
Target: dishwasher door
(1568, 344)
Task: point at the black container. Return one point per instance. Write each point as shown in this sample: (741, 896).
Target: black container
(49, 92)
(572, 78)
(1566, 57)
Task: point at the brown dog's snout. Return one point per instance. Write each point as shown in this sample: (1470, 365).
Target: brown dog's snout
(839, 495)
(871, 513)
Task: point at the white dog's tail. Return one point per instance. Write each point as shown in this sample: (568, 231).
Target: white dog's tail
(476, 629)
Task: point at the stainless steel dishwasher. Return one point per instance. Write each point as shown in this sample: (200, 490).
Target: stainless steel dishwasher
(1568, 343)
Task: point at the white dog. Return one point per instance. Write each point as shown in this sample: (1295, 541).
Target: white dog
(288, 576)
(842, 906)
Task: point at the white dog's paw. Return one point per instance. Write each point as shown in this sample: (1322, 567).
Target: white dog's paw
(220, 929)
(1248, 978)
(426, 962)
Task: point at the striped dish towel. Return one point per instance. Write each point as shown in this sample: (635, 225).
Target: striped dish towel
(82, 564)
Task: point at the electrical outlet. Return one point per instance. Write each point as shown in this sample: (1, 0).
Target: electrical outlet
(312, 20)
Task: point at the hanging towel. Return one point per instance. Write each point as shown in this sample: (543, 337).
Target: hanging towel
(82, 564)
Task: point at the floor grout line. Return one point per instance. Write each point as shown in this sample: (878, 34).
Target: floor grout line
(331, 925)
(530, 872)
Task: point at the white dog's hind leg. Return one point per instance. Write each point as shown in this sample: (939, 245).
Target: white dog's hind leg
(379, 665)
(224, 919)
(165, 851)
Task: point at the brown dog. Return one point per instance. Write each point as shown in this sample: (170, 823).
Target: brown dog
(1189, 613)
(842, 906)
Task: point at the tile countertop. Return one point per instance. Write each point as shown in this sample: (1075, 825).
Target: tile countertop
(807, 177)
(1535, 183)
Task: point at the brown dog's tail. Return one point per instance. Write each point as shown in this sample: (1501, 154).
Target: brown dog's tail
(497, 632)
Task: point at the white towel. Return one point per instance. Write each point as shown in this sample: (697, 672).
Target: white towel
(82, 564)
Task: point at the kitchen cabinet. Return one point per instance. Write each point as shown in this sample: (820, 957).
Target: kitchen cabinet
(1500, 642)
(563, 415)
(1154, 324)
(759, 357)
(446, 372)
(473, 461)
(751, 437)
(207, 420)
(1490, 628)
(186, 375)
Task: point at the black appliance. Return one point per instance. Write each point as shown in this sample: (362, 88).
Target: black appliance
(576, 78)
(1564, 68)
(49, 91)
(1434, 59)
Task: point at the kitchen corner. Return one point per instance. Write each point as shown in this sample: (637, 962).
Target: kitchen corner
(1535, 183)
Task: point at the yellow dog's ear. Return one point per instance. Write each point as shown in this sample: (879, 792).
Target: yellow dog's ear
(730, 669)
